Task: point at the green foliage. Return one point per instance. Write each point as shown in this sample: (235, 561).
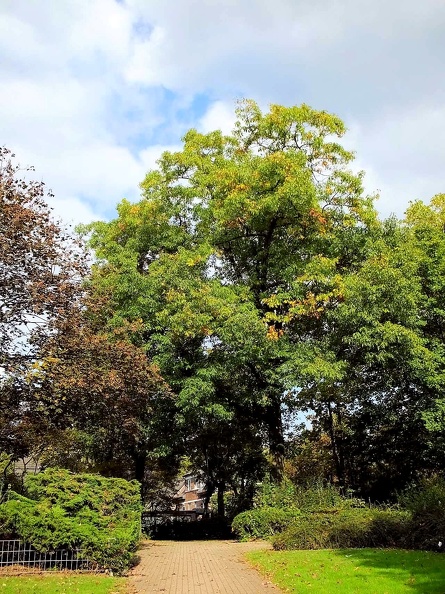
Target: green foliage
(63, 510)
(255, 273)
(278, 495)
(282, 506)
(316, 497)
(6, 472)
(263, 522)
(256, 277)
(230, 261)
(233, 504)
(356, 528)
(319, 517)
(426, 503)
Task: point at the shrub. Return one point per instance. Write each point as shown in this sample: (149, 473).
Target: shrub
(279, 506)
(262, 522)
(319, 496)
(64, 510)
(349, 528)
(426, 503)
(317, 517)
(281, 495)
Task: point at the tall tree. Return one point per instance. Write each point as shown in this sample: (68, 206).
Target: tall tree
(373, 368)
(78, 395)
(209, 258)
(102, 389)
(41, 268)
(40, 264)
(425, 225)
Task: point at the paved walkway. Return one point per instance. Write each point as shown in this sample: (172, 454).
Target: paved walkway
(197, 567)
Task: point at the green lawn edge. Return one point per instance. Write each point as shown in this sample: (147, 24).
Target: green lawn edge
(353, 571)
(62, 583)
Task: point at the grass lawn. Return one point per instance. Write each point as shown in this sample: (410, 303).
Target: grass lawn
(353, 571)
(61, 583)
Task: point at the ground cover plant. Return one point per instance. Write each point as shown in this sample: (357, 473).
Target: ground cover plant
(100, 515)
(62, 583)
(353, 571)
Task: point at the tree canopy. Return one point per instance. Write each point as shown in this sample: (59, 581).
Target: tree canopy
(72, 393)
(251, 311)
(264, 280)
(41, 268)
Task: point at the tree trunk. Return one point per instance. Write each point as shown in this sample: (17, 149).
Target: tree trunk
(341, 448)
(276, 438)
(210, 489)
(4, 482)
(221, 505)
(336, 454)
(272, 419)
(139, 470)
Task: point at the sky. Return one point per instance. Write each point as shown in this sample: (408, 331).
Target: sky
(93, 91)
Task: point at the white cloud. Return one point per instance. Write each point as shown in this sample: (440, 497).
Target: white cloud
(83, 84)
(402, 154)
(100, 175)
(63, 66)
(150, 155)
(70, 28)
(143, 66)
(219, 116)
(100, 26)
(72, 211)
(231, 45)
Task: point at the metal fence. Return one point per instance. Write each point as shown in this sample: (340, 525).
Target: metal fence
(17, 557)
(152, 519)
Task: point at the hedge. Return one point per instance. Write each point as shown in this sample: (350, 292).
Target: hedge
(353, 528)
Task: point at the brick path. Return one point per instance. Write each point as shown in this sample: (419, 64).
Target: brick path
(197, 567)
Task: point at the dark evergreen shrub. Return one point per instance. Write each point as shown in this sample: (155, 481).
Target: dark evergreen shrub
(100, 515)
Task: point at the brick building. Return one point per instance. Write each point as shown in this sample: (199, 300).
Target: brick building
(191, 494)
